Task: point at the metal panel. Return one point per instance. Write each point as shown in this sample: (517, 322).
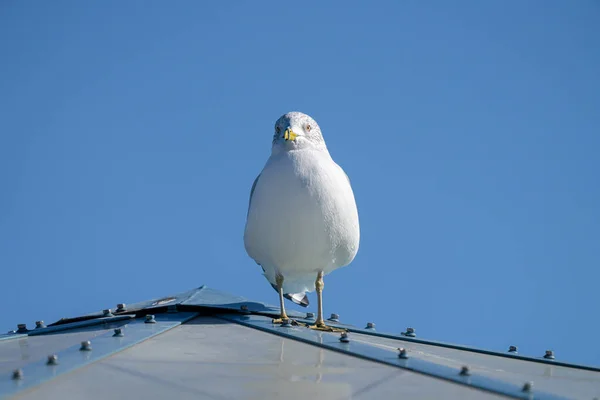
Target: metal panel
(10, 336)
(512, 356)
(213, 359)
(494, 372)
(66, 345)
(17, 350)
(81, 324)
(385, 356)
(25, 349)
(564, 381)
(207, 297)
(202, 297)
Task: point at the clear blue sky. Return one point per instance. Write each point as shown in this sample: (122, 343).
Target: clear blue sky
(131, 133)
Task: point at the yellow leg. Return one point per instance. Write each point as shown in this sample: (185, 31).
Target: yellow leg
(320, 322)
(283, 316)
(319, 285)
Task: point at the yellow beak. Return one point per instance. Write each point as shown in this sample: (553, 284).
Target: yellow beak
(289, 134)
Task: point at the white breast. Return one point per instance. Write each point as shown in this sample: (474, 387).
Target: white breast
(302, 218)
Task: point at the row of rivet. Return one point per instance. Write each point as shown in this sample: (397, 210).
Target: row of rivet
(150, 319)
(118, 332)
(464, 371)
(121, 307)
(86, 345)
(410, 332)
(22, 328)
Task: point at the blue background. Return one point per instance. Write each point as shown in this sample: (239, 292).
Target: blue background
(131, 133)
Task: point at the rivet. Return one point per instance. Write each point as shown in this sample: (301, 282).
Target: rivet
(403, 353)
(410, 332)
(21, 328)
(118, 333)
(370, 325)
(39, 324)
(121, 307)
(334, 318)
(310, 315)
(527, 387)
(86, 345)
(286, 323)
(549, 355)
(107, 313)
(52, 359)
(513, 349)
(344, 337)
(464, 371)
(17, 374)
(150, 319)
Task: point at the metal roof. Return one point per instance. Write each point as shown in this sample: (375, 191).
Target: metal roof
(207, 344)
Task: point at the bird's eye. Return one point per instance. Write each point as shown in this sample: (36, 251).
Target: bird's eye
(308, 128)
(277, 129)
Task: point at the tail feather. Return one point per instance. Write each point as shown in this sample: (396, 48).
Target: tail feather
(298, 298)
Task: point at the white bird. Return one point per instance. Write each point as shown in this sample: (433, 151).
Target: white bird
(302, 220)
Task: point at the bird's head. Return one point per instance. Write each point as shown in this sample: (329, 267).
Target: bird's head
(295, 130)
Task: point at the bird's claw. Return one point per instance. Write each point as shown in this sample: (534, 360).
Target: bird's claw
(281, 321)
(326, 328)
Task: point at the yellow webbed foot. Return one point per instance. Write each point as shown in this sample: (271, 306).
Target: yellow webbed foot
(326, 328)
(283, 321)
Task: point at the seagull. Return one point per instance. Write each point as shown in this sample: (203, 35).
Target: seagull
(302, 220)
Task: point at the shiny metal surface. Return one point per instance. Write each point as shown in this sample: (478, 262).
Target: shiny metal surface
(209, 358)
(549, 359)
(569, 382)
(190, 360)
(32, 352)
(81, 324)
(11, 336)
(203, 297)
(389, 356)
(24, 350)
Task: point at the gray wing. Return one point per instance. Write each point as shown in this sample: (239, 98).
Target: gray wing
(251, 194)
(250, 203)
(298, 298)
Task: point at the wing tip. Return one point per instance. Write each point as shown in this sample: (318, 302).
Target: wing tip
(298, 298)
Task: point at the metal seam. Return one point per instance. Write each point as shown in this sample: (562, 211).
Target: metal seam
(38, 372)
(474, 350)
(427, 368)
